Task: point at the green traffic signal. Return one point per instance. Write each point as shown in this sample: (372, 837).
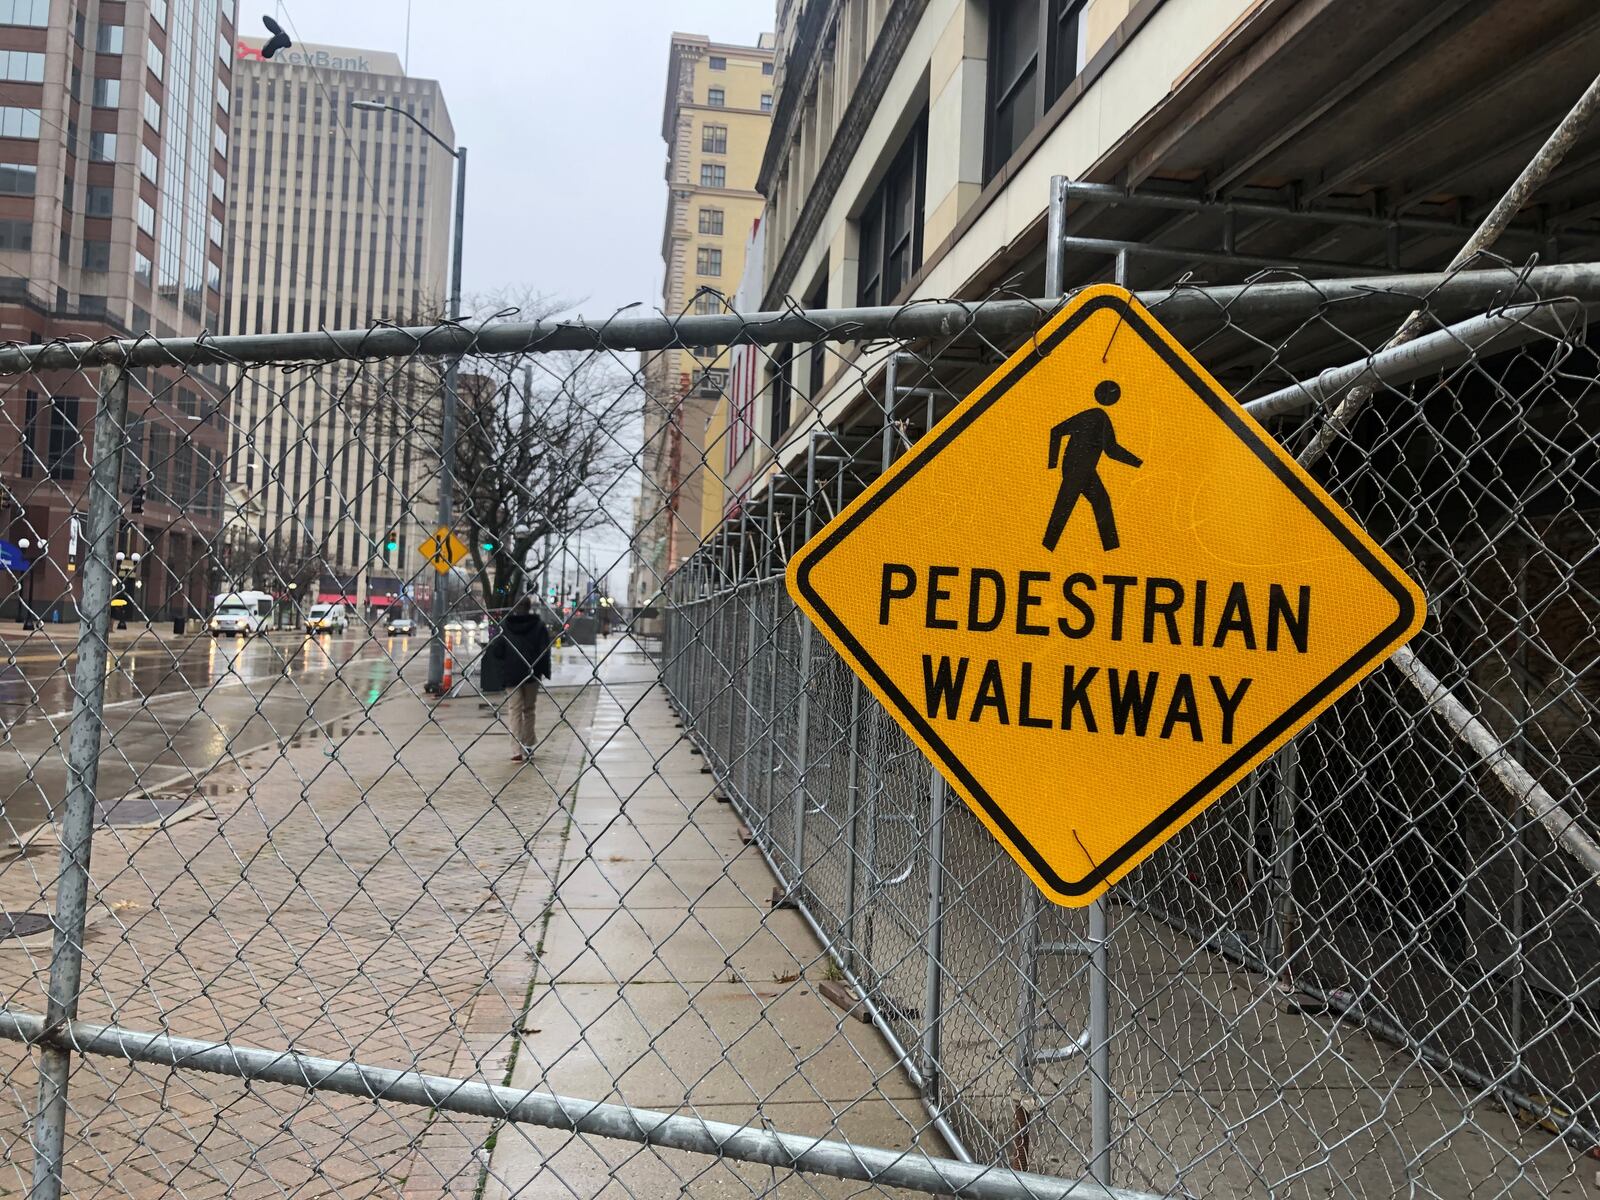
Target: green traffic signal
(488, 547)
(391, 547)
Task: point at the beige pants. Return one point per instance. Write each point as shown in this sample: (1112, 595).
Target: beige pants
(522, 702)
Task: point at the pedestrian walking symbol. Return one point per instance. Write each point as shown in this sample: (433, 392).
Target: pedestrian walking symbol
(1090, 436)
(1097, 594)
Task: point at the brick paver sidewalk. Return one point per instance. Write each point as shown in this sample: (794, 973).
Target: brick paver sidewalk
(376, 893)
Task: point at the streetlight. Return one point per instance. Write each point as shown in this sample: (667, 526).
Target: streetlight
(28, 622)
(447, 425)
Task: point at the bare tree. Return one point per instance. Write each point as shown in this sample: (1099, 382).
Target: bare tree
(540, 446)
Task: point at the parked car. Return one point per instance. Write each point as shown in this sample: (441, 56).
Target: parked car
(327, 618)
(401, 625)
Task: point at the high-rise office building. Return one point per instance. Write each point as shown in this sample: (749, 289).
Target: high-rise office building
(338, 218)
(114, 143)
(717, 114)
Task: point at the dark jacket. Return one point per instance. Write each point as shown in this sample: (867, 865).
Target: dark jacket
(518, 652)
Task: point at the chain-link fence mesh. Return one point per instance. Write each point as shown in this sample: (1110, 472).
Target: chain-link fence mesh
(280, 920)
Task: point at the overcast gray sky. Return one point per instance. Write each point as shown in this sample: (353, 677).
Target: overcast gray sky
(559, 104)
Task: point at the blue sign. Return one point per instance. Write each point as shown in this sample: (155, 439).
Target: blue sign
(12, 557)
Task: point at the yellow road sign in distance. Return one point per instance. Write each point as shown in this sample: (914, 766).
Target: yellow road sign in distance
(1098, 593)
(443, 550)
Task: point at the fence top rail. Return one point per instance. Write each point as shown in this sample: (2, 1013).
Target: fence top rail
(1180, 305)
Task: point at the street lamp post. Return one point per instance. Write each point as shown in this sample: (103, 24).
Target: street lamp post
(29, 621)
(447, 423)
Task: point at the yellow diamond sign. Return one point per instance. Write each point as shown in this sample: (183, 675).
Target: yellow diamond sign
(444, 549)
(1098, 593)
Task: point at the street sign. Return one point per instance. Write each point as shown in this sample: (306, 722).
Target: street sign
(444, 550)
(1098, 593)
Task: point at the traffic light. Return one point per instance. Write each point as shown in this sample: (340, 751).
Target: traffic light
(488, 547)
(137, 506)
(391, 544)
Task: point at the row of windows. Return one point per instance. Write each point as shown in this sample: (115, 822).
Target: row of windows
(25, 12)
(718, 98)
(19, 122)
(720, 63)
(18, 179)
(59, 457)
(21, 66)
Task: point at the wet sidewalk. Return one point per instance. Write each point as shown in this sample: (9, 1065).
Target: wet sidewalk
(667, 981)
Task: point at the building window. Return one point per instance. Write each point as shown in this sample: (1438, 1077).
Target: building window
(101, 199)
(782, 394)
(766, 102)
(21, 66)
(1033, 56)
(219, 186)
(817, 364)
(107, 93)
(223, 98)
(718, 63)
(62, 458)
(152, 112)
(219, 142)
(141, 272)
(16, 235)
(708, 303)
(108, 39)
(102, 147)
(147, 216)
(147, 162)
(711, 221)
(891, 222)
(713, 175)
(713, 381)
(25, 12)
(716, 98)
(216, 232)
(18, 179)
(19, 122)
(766, 68)
(714, 139)
(156, 60)
(158, 10)
(708, 261)
(96, 255)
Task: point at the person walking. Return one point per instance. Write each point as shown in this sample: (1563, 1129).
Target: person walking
(1089, 436)
(515, 660)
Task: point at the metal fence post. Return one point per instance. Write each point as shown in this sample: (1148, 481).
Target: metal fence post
(933, 996)
(1286, 801)
(83, 769)
(802, 720)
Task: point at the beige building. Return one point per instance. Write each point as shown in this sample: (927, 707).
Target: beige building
(338, 219)
(114, 151)
(715, 121)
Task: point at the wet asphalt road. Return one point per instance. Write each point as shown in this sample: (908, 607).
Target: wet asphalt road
(177, 707)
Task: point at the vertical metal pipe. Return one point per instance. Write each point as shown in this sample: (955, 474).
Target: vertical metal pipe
(1281, 941)
(440, 608)
(1099, 963)
(803, 700)
(83, 769)
(852, 824)
(933, 993)
(1519, 845)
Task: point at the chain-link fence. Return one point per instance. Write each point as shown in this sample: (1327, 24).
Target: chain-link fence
(294, 907)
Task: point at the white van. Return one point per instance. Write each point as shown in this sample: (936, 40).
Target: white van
(241, 613)
(327, 618)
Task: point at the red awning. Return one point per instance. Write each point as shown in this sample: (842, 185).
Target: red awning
(334, 598)
(380, 601)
